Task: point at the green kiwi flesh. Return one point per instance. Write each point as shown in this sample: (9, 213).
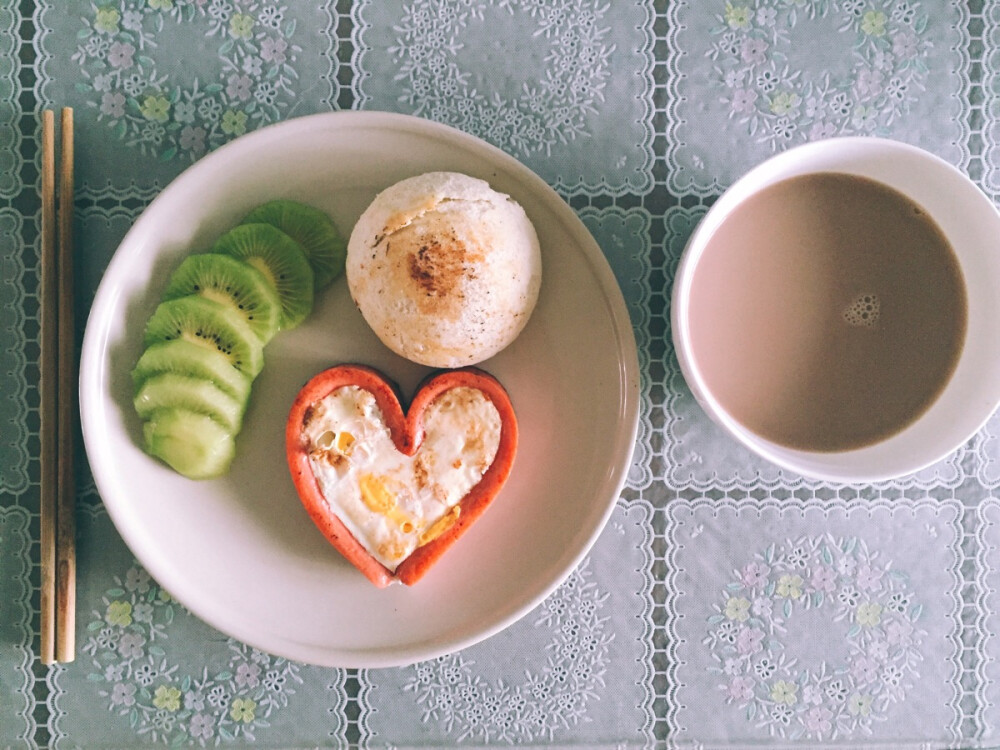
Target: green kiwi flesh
(280, 259)
(210, 324)
(229, 282)
(204, 343)
(194, 445)
(315, 232)
(169, 390)
(184, 358)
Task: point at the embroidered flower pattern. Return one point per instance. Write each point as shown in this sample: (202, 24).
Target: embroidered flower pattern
(738, 609)
(848, 691)
(142, 107)
(780, 105)
(552, 109)
(141, 684)
(451, 694)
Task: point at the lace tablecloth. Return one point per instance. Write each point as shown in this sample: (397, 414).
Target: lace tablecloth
(727, 603)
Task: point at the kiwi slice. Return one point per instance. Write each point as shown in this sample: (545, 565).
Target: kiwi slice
(184, 358)
(229, 282)
(202, 321)
(169, 390)
(192, 444)
(312, 229)
(280, 259)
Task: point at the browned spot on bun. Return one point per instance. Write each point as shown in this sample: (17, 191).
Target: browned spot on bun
(438, 265)
(399, 219)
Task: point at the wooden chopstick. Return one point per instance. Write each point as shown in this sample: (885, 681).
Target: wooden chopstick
(66, 488)
(48, 391)
(57, 385)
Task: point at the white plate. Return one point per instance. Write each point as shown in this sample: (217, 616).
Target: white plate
(240, 552)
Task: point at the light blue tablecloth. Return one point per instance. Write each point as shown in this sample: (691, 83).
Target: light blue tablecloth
(728, 602)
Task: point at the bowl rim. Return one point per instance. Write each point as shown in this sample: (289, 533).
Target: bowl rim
(846, 155)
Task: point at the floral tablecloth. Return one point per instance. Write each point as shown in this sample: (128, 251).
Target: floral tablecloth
(728, 602)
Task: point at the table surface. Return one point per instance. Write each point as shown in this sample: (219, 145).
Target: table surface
(728, 602)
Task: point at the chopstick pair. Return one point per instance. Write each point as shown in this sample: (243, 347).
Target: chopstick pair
(57, 386)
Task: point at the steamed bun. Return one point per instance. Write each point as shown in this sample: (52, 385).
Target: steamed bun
(444, 269)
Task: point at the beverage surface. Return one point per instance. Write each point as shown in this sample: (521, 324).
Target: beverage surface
(827, 312)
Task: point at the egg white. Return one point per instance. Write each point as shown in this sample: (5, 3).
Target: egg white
(361, 474)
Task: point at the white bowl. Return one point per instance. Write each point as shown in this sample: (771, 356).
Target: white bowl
(972, 225)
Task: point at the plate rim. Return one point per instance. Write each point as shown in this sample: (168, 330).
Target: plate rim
(93, 366)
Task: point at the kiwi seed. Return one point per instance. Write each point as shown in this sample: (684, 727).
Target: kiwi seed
(184, 358)
(228, 281)
(210, 324)
(315, 232)
(282, 262)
